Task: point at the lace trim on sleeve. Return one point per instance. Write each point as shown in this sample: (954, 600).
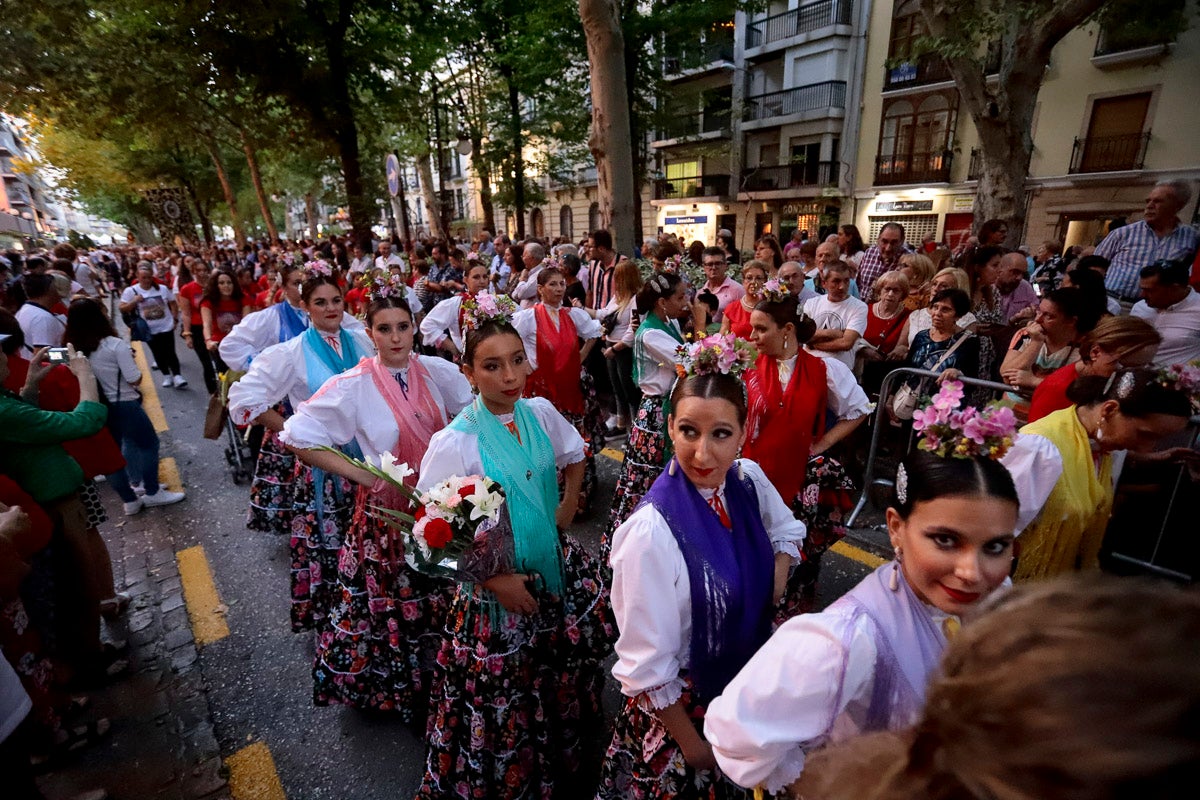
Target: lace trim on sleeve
(788, 547)
(248, 415)
(787, 773)
(660, 697)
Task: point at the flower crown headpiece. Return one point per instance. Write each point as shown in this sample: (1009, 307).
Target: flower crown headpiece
(380, 287)
(1177, 377)
(315, 268)
(775, 292)
(484, 308)
(474, 257)
(719, 354)
(952, 432)
(677, 264)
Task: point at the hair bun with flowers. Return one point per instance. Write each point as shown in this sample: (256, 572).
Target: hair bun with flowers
(950, 431)
(775, 292)
(484, 308)
(1183, 378)
(719, 354)
(381, 287)
(313, 269)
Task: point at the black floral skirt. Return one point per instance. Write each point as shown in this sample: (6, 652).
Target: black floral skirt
(516, 692)
(318, 525)
(645, 457)
(271, 494)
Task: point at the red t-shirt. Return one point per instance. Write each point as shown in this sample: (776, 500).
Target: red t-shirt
(227, 314)
(883, 334)
(1051, 393)
(194, 293)
(739, 320)
(355, 298)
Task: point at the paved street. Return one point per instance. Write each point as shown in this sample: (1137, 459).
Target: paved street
(257, 676)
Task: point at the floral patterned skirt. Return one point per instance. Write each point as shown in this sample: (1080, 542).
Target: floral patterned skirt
(319, 521)
(823, 504)
(271, 491)
(515, 692)
(645, 456)
(378, 648)
(22, 646)
(643, 762)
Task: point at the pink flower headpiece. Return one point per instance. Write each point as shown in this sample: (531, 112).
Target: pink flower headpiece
(950, 431)
(1180, 378)
(484, 308)
(723, 354)
(775, 292)
(380, 287)
(315, 268)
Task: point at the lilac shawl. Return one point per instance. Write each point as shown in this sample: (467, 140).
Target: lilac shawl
(731, 573)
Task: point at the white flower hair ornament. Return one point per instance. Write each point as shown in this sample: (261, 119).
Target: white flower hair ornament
(313, 269)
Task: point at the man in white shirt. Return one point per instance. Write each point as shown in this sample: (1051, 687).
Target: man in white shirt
(361, 262)
(387, 259)
(41, 327)
(841, 319)
(525, 292)
(1173, 308)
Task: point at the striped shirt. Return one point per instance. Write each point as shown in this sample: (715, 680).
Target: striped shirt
(1132, 247)
(871, 267)
(600, 282)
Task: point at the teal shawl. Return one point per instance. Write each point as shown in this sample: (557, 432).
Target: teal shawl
(525, 469)
(322, 362)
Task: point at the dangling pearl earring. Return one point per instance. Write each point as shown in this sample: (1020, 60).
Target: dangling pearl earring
(671, 468)
(894, 581)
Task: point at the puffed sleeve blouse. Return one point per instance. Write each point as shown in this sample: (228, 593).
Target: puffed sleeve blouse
(651, 593)
(349, 406)
(661, 347)
(525, 321)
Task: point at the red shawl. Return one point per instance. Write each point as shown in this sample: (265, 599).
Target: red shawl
(782, 424)
(559, 365)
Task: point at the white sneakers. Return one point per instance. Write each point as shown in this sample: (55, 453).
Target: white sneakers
(162, 498)
(134, 507)
(180, 382)
(166, 384)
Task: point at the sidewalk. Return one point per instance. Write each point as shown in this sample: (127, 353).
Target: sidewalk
(162, 745)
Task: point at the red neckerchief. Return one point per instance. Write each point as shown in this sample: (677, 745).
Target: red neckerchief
(558, 373)
(782, 424)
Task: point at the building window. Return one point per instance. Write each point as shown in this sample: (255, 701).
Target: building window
(594, 217)
(460, 204)
(565, 223)
(1117, 135)
(914, 139)
(537, 222)
(916, 226)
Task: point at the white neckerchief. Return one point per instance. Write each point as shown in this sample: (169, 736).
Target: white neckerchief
(787, 367)
(553, 314)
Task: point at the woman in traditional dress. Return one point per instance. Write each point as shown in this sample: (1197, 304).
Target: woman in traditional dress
(321, 502)
(736, 317)
(552, 335)
(862, 664)
(377, 647)
(271, 491)
(696, 572)
(521, 671)
(442, 327)
(1127, 412)
(801, 406)
(661, 302)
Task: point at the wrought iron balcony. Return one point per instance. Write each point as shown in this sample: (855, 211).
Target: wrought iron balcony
(805, 19)
(791, 176)
(1109, 153)
(975, 167)
(692, 186)
(926, 69)
(913, 168)
(680, 126)
(815, 96)
(702, 54)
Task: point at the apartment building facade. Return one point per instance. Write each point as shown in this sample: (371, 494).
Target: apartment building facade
(27, 212)
(1116, 114)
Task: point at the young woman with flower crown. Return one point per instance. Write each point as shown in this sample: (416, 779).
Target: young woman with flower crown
(793, 396)
(862, 664)
(661, 302)
(697, 569)
(290, 373)
(1080, 450)
(551, 334)
(442, 327)
(521, 669)
(377, 646)
(271, 491)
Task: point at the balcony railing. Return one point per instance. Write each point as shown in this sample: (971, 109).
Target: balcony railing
(791, 176)
(815, 96)
(1109, 153)
(913, 168)
(1119, 40)
(680, 126)
(700, 55)
(927, 69)
(975, 167)
(805, 19)
(693, 186)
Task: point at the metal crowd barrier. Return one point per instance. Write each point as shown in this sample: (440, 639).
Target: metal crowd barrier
(882, 422)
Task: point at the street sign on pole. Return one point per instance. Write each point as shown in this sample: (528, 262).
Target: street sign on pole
(392, 165)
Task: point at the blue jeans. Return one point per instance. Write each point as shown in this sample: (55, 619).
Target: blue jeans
(130, 426)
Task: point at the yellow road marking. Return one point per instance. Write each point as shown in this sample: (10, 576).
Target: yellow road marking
(168, 475)
(150, 401)
(200, 593)
(615, 455)
(857, 554)
(252, 774)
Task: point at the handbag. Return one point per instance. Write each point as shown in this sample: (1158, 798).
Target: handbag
(608, 323)
(139, 331)
(904, 402)
(214, 417)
